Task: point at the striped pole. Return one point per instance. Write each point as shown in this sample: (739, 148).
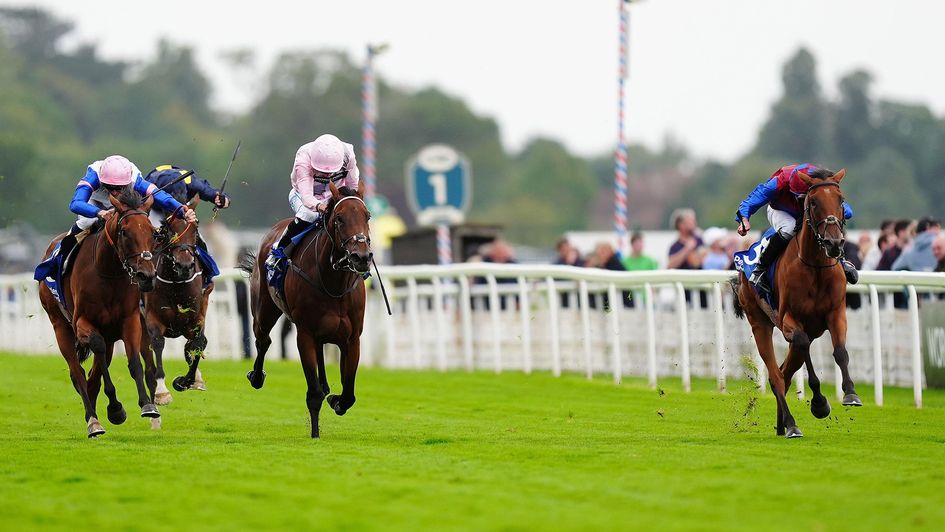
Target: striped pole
(444, 252)
(368, 117)
(620, 155)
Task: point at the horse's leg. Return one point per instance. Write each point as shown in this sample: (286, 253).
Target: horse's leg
(322, 376)
(116, 412)
(265, 315)
(350, 356)
(837, 324)
(86, 339)
(799, 355)
(131, 337)
(308, 354)
(763, 333)
(193, 352)
(155, 330)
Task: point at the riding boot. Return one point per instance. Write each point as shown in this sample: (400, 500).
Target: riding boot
(68, 242)
(849, 270)
(282, 249)
(776, 244)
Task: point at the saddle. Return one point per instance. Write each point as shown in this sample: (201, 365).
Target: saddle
(55, 267)
(747, 260)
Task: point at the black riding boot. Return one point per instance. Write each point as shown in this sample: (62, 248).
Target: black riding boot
(849, 270)
(69, 241)
(283, 248)
(776, 244)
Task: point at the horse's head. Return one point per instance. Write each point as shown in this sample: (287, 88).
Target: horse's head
(178, 250)
(130, 232)
(347, 224)
(823, 210)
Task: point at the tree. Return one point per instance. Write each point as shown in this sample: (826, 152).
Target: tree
(795, 130)
(853, 129)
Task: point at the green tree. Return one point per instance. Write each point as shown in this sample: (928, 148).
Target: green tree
(853, 128)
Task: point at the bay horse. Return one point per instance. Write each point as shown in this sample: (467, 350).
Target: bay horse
(178, 304)
(103, 291)
(324, 297)
(810, 289)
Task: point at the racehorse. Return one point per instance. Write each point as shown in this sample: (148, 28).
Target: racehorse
(324, 297)
(178, 304)
(103, 291)
(810, 289)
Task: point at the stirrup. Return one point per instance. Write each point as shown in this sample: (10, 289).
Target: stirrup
(759, 279)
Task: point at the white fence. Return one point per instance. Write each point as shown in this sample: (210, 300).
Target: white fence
(554, 318)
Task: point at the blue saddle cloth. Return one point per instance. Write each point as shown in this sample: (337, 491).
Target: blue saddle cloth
(746, 261)
(50, 271)
(276, 276)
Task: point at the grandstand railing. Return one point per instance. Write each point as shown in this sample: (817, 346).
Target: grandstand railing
(655, 324)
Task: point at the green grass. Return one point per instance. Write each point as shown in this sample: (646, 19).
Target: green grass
(427, 450)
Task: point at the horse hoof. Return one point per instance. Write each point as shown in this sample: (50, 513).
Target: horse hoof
(820, 409)
(793, 432)
(117, 415)
(334, 401)
(851, 399)
(95, 428)
(198, 385)
(256, 380)
(149, 410)
(180, 384)
(163, 398)
(155, 423)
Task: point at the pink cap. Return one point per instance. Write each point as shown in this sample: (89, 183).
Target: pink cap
(116, 170)
(327, 154)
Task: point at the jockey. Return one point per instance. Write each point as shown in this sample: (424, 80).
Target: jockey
(784, 195)
(109, 177)
(324, 160)
(184, 191)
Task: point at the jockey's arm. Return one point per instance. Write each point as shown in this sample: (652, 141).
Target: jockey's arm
(83, 193)
(165, 200)
(201, 187)
(757, 198)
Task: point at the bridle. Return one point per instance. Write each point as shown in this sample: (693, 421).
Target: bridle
(344, 263)
(821, 237)
(125, 264)
(167, 250)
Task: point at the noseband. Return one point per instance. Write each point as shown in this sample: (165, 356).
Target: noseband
(344, 262)
(826, 222)
(145, 255)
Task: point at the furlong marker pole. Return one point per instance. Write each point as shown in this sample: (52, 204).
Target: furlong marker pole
(620, 154)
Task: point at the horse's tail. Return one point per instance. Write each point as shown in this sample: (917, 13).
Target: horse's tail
(248, 262)
(734, 282)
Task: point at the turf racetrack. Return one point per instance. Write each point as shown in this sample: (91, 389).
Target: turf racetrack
(425, 450)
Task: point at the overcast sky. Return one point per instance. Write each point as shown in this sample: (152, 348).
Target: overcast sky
(703, 71)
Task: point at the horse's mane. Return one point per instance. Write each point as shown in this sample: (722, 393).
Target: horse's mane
(820, 173)
(130, 198)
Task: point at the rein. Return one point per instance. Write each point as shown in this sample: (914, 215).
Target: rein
(145, 255)
(167, 249)
(826, 223)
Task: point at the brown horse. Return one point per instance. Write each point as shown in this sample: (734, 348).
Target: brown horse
(810, 288)
(178, 304)
(324, 297)
(102, 291)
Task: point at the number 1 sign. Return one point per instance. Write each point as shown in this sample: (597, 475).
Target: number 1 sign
(438, 185)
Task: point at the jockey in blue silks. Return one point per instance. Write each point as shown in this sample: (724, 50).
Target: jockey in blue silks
(90, 201)
(784, 195)
(184, 191)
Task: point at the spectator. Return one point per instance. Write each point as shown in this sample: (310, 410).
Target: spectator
(902, 230)
(637, 261)
(606, 258)
(716, 257)
(686, 252)
(498, 252)
(886, 241)
(887, 227)
(919, 256)
(852, 253)
(938, 249)
(568, 255)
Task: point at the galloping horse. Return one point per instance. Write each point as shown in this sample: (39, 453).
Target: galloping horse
(104, 307)
(178, 304)
(324, 297)
(810, 288)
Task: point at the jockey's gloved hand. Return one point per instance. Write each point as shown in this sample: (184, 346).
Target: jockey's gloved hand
(190, 215)
(221, 201)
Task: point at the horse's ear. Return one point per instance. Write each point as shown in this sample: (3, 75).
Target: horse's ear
(805, 178)
(838, 177)
(119, 206)
(193, 203)
(334, 191)
(146, 206)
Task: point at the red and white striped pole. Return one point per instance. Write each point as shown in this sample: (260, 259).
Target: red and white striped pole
(368, 118)
(620, 154)
(444, 252)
